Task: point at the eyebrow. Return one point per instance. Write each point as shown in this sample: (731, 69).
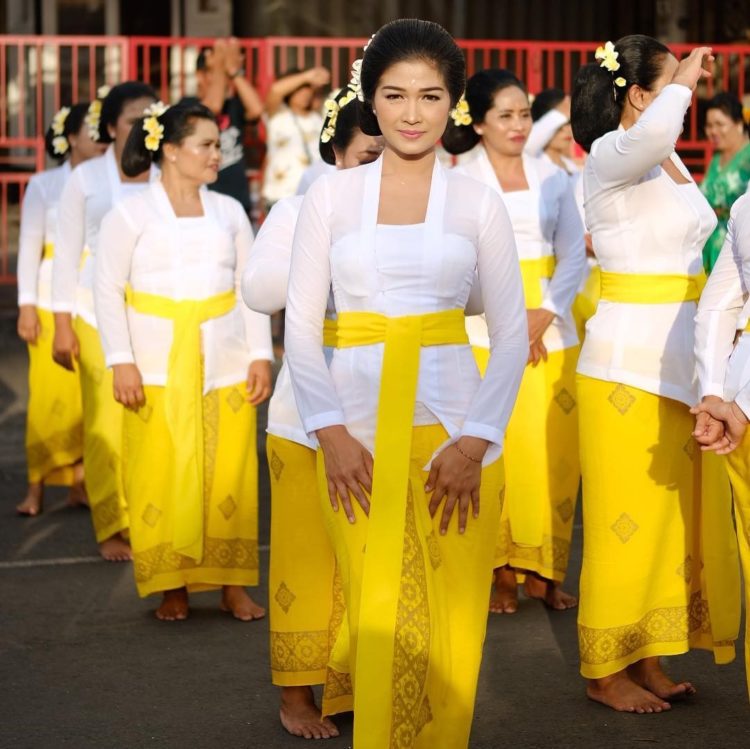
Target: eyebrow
(423, 90)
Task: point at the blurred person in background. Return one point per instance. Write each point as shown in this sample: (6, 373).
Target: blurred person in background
(729, 172)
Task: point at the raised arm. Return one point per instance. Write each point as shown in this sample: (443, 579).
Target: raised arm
(280, 89)
(266, 276)
(543, 130)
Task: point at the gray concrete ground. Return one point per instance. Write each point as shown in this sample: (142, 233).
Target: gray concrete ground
(84, 664)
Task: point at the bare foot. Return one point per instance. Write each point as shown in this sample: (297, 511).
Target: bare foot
(77, 496)
(174, 606)
(116, 549)
(621, 693)
(32, 502)
(301, 717)
(504, 598)
(549, 591)
(235, 600)
(649, 675)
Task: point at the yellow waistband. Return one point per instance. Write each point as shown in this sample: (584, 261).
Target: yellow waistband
(49, 251)
(183, 397)
(532, 272)
(329, 333)
(649, 288)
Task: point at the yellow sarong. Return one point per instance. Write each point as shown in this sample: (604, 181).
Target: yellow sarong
(542, 470)
(54, 419)
(659, 567)
(423, 697)
(229, 494)
(301, 573)
(183, 396)
(738, 465)
(102, 437)
(398, 606)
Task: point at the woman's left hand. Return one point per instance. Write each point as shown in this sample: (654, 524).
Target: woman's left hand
(456, 478)
(539, 320)
(258, 382)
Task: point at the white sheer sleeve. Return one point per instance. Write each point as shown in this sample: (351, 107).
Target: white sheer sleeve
(120, 236)
(570, 254)
(257, 325)
(31, 242)
(266, 275)
(626, 155)
(309, 287)
(70, 239)
(505, 312)
(722, 302)
(543, 130)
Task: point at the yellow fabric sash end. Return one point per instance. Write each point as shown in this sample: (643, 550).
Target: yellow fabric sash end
(747, 327)
(183, 401)
(49, 251)
(532, 272)
(329, 333)
(381, 579)
(649, 288)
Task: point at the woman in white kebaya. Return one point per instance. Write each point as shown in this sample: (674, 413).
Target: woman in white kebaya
(190, 364)
(53, 423)
(407, 429)
(87, 196)
(660, 571)
(541, 456)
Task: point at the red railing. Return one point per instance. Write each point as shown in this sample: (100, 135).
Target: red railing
(40, 73)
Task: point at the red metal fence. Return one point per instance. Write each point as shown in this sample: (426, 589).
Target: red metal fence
(38, 74)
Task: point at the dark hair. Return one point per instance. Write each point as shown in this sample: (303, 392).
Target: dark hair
(729, 104)
(596, 103)
(178, 122)
(481, 90)
(546, 100)
(201, 62)
(348, 121)
(73, 123)
(410, 39)
(114, 102)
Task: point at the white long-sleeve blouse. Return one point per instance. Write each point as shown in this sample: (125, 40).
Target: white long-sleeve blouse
(723, 368)
(643, 222)
(404, 270)
(38, 228)
(150, 248)
(546, 223)
(92, 189)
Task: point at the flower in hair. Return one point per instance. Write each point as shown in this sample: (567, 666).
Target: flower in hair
(93, 116)
(355, 83)
(608, 56)
(58, 121)
(461, 114)
(60, 145)
(369, 42)
(154, 129)
(333, 108)
(102, 92)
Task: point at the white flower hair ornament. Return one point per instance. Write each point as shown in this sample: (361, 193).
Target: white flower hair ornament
(153, 128)
(60, 144)
(333, 107)
(460, 114)
(93, 117)
(607, 55)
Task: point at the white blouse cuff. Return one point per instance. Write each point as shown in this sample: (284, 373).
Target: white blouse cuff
(550, 306)
(742, 399)
(321, 421)
(713, 388)
(119, 357)
(63, 307)
(494, 436)
(262, 354)
(27, 298)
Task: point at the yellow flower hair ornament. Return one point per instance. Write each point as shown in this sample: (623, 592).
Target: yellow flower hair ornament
(607, 55)
(93, 116)
(333, 108)
(60, 144)
(153, 128)
(460, 114)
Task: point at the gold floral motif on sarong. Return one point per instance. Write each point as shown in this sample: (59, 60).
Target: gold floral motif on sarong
(622, 399)
(42, 456)
(411, 652)
(337, 684)
(106, 512)
(299, 651)
(284, 597)
(553, 554)
(663, 625)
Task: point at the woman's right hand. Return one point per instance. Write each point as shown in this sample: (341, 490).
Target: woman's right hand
(690, 70)
(29, 326)
(128, 386)
(349, 468)
(318, 77)
(65, 348)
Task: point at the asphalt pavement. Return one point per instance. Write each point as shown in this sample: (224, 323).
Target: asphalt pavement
(84, 664)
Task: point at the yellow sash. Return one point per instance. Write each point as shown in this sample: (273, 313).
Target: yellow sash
(532, 272)
(649, 288)
(183, 402)
(403, 338)
(49, 251)
(329, 333)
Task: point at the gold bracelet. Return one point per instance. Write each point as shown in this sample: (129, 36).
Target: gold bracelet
(468, 457)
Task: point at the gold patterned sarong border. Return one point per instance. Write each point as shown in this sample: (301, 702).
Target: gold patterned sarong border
(299, 651)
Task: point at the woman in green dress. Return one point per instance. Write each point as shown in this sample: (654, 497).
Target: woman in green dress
(729, 172)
